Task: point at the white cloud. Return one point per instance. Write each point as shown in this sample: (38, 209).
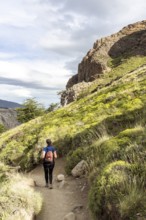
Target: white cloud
(13, 93)
(57, 39)
(46, 74)
(14, 13)
(7, 56)
(21, 92)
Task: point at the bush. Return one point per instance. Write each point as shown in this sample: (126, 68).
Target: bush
(105, 192)
(133, 203)
(2, 128)
(53, 107)
(3, 170)
(30, 110)
(118, 192)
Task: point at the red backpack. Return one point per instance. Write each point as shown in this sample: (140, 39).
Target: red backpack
(49, 156)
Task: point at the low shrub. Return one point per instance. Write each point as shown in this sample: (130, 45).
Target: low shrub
(112, 190)
(14, 199)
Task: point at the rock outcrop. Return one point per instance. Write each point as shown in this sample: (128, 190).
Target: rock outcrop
(72, 93)
(130, 41)
(8, 117)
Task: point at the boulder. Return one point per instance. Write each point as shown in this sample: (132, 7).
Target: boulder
(80, 169)
(60, 177)
(70, 216)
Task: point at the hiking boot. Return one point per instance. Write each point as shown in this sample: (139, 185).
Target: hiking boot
(50, 187)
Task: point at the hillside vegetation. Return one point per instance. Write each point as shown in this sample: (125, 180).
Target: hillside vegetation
(106, 126)
(17, 198)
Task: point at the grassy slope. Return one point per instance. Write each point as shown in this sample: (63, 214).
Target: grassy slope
(15, 203)
(110, 124)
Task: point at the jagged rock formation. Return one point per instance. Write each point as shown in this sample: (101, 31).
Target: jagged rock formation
(8, 117)
(130, 41)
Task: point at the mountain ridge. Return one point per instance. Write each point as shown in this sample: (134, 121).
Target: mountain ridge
(9, 104)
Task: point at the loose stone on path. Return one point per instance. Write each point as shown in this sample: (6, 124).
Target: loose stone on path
(70, 216)
(60, 177)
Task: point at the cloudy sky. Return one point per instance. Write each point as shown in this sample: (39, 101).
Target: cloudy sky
(42, 41)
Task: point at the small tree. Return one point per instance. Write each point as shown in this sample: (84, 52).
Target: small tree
(53, 106)
(2, 128)
(30, 110)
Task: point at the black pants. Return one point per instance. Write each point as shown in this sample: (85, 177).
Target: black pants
(48, 171)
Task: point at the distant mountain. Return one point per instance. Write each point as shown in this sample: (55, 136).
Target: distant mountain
(8, 104)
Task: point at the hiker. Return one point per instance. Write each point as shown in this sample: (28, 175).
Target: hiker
(49, 155)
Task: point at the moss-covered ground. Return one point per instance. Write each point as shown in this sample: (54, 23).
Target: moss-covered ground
(106, 126)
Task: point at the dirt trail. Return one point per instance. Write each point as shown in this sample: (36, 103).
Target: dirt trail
(59, 201)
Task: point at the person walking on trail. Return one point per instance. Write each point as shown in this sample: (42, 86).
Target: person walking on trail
(49, 155)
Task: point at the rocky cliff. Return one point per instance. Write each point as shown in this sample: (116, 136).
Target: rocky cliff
(8, 117)
(130, 41)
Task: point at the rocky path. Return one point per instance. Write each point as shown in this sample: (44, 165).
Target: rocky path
(64, 198)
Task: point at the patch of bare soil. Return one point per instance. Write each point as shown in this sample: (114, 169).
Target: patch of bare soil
(63, 198)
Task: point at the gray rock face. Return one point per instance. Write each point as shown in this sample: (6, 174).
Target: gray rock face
(80, 169)
(8, 117)
(72, 93)
(72, 81)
